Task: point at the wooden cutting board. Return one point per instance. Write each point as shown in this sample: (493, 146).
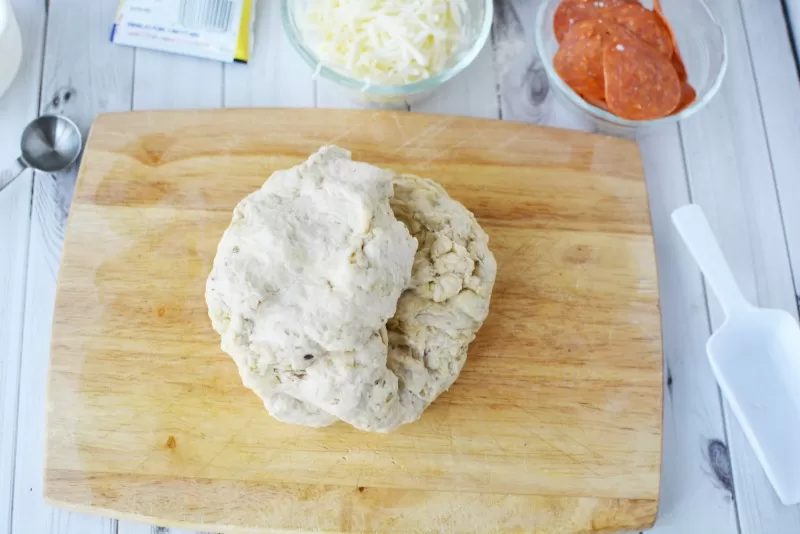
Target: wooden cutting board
(553, 426)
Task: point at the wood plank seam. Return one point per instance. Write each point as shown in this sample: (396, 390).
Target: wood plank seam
(777, 86)
(790, 32)
(314, 92)
(769, 146)
(794, 268)
(61, 64)
(133, 77)
(687, 407)
(15, 428)
(728, 150)
(16, 383)
(498, 96)
(731, 487)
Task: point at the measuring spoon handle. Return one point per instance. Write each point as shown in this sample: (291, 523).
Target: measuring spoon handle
(693, 227)
(9, 175)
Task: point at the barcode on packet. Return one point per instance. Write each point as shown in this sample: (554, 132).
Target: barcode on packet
(209, 15)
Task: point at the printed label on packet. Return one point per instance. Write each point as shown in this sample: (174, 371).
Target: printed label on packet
(212, 29)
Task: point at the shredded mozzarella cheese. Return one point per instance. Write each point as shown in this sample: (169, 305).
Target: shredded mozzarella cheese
(389, 42)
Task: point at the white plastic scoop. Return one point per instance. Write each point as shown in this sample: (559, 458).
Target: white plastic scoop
(755, 356)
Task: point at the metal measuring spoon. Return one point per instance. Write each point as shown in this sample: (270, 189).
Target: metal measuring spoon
(49, 144)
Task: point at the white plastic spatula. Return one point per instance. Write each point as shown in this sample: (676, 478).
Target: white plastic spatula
(755, 356)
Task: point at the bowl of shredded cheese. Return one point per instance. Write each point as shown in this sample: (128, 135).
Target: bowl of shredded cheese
(388, 52)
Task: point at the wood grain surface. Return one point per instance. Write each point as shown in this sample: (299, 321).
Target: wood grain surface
(554, 424)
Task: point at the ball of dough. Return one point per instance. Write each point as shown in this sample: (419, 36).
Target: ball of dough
(312, 263)
(378, 379)
(419, 355)
(424, 346)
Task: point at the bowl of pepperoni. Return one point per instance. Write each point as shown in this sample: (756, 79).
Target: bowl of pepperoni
(628, 65)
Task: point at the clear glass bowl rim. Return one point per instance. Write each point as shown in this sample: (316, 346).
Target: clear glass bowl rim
(385, 90)
(610, 117)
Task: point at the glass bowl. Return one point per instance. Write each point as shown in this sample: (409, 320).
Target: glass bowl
(478, 26)
(702, 45)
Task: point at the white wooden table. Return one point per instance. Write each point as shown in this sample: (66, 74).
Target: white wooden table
(739, 158)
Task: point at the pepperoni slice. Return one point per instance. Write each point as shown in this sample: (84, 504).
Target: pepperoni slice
(598, 103)
(579, 60)
(646, 25)
(658, 10)
(570, 12)
(621, 57)
(688, 95)
(680, 68)
(640, 83)
(677, 60)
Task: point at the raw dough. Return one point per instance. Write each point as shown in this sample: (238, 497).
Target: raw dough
(313, 262)
(312, 268)
(452, 280)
